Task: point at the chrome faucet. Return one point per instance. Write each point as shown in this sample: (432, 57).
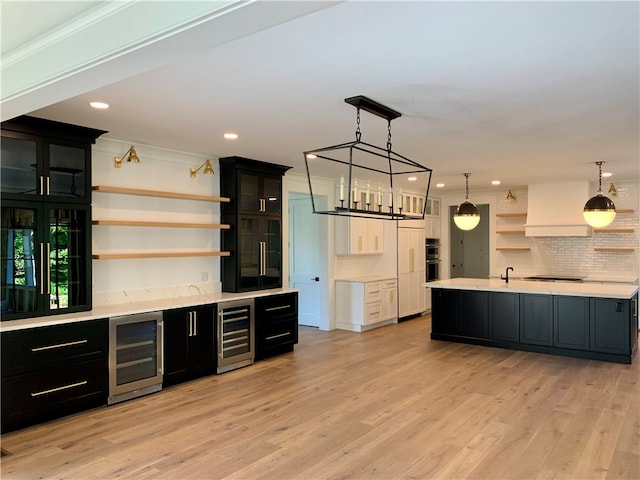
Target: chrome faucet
(506, 277)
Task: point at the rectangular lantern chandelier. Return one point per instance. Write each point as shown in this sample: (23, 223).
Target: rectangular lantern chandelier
(369, 181)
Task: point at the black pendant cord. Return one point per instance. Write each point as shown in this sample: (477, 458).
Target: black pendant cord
(358, 132)
(599, 177)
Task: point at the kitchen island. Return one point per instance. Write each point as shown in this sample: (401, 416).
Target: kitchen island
(596, 321)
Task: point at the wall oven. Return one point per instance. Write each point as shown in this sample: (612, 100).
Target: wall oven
(235, 337)
(432, 258)
(135, 355)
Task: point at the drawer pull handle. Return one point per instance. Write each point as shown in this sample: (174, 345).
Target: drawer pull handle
(280, 307)
(280, 335)
(59, 345)
(58, 389)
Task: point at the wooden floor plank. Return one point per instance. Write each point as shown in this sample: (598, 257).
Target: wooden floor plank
(388, 403)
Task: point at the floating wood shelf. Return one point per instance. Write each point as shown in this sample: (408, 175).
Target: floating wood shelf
(624, 210)
(613, 230)
(607, 249)
(157, 193)
(137, 223)
(116, 256)
(514, 232)
(517, 214)
(513, 249)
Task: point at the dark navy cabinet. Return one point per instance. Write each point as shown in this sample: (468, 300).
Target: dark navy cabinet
(474, 314)
(504, 316)
(609, 326)
(571, 322)
(536, 319)
(577, 326)
(444, 311)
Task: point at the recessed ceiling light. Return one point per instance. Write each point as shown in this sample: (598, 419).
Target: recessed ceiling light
(99, 105)
(231, 136)
(440, 185)
(412, 179)
(606, 174)
(311, 156)
(495, 182)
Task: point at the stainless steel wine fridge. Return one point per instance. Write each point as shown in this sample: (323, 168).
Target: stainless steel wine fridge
(135, 356)
(235, 338)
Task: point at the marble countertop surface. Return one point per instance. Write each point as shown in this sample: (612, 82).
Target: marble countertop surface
(605, 290)
(135, 307)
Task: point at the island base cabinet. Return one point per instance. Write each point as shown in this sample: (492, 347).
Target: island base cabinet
(597, 328)
(504, 317)
(474, 314)
(536, 319)
(610, 332)
(571, 322)
(444, 312)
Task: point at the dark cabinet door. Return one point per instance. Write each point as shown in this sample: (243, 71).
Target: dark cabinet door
(259, 194)
(536, 319)
(44, 252)
(609, 321)
(504, 321)
(68, 167)
(201, 341)
(259, 253)
(21, 168)
(188, 343)
(444, 311)
(571, 322)
(474, 314)
(176, 346)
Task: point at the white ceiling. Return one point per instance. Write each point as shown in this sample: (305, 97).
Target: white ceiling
(524, 92)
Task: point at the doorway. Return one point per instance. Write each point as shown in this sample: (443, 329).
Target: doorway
(469, 250)
(308, 264)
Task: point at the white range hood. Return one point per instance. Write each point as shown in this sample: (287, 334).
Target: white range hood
(555, 210)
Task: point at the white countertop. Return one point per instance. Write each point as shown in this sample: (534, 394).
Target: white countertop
(617, 290)
(366, 278)
(135, 307)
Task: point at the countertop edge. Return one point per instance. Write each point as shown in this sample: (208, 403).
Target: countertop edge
(621, 291)
(133, 308)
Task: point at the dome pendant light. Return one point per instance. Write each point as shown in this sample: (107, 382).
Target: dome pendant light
(467, 215)
(599, 211)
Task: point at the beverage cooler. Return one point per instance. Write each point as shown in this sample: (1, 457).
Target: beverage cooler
(135, 356)
(236, 337)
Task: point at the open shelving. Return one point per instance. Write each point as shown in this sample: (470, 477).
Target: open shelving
(144, 223)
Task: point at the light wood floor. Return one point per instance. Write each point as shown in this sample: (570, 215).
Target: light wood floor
(385, 404)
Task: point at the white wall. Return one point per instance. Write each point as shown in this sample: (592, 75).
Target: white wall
(118, 281)
(573, 256)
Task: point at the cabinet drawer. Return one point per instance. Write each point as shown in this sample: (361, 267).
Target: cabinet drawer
(33, 397)
(276, 333)
(372, 313)
(372, 292)
(46, 347)
(276, 306)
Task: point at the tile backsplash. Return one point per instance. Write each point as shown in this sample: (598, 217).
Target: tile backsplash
(574, 256)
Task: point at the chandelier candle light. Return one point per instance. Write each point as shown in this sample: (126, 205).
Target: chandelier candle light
(357, 161)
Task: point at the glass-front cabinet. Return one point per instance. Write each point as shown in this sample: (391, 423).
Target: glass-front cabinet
(45, 242)
(43, 254)
(255, 217)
